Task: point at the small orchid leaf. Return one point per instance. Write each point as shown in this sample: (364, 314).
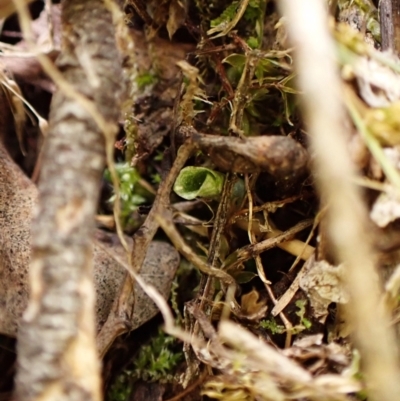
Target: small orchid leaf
(198, 182)
(243, 277)
(232, 258)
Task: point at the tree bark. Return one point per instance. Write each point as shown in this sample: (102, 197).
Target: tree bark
(389, 11)
(57, 355)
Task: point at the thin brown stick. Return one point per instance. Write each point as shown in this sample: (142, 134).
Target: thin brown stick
(250, 251)
(260, 267)
(215, 241)
(289, 293)
(123, 308)
(302, 250)
(167, 225)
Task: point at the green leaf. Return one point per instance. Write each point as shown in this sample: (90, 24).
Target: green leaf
(253, 42)
(232, 258)
(146, 79)
(306, 323)
(243, 277)
(202, 182)
(235, 60)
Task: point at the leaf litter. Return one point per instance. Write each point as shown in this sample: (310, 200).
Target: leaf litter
(231, 112)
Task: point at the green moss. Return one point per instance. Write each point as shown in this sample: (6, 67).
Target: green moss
(251, 14)
(157, 360)
(272, 326)
(121, 388)
(146, 79)
(132, 195)
(226, 16)
(304, 324)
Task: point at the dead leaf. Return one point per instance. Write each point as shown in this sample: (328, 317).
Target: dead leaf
(176, 18)
(323, 285)
(379, 85)
(253, 308)
(313, 347)
(385, 209)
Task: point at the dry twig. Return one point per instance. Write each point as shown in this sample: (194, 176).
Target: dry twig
(124, 306)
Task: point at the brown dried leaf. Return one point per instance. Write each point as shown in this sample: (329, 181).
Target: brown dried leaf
(253, 308)
(176, 18)
(18, 197)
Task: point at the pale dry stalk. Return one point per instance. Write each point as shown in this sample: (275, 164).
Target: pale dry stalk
(318, 79)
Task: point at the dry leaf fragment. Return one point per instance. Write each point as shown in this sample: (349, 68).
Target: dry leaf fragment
(312, 347)
(262, 359)
(176, 17)
(323, 285)
(379, 85)
(386, 209)
(253, 308)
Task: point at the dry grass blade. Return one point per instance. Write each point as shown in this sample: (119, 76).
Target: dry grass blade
(295, 247)
(307, 24)
(14, 97)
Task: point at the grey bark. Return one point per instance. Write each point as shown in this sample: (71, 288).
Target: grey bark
(386, 22)
(57, 356)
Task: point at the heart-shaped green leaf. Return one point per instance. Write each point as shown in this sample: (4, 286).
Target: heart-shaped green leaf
(198, 182)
